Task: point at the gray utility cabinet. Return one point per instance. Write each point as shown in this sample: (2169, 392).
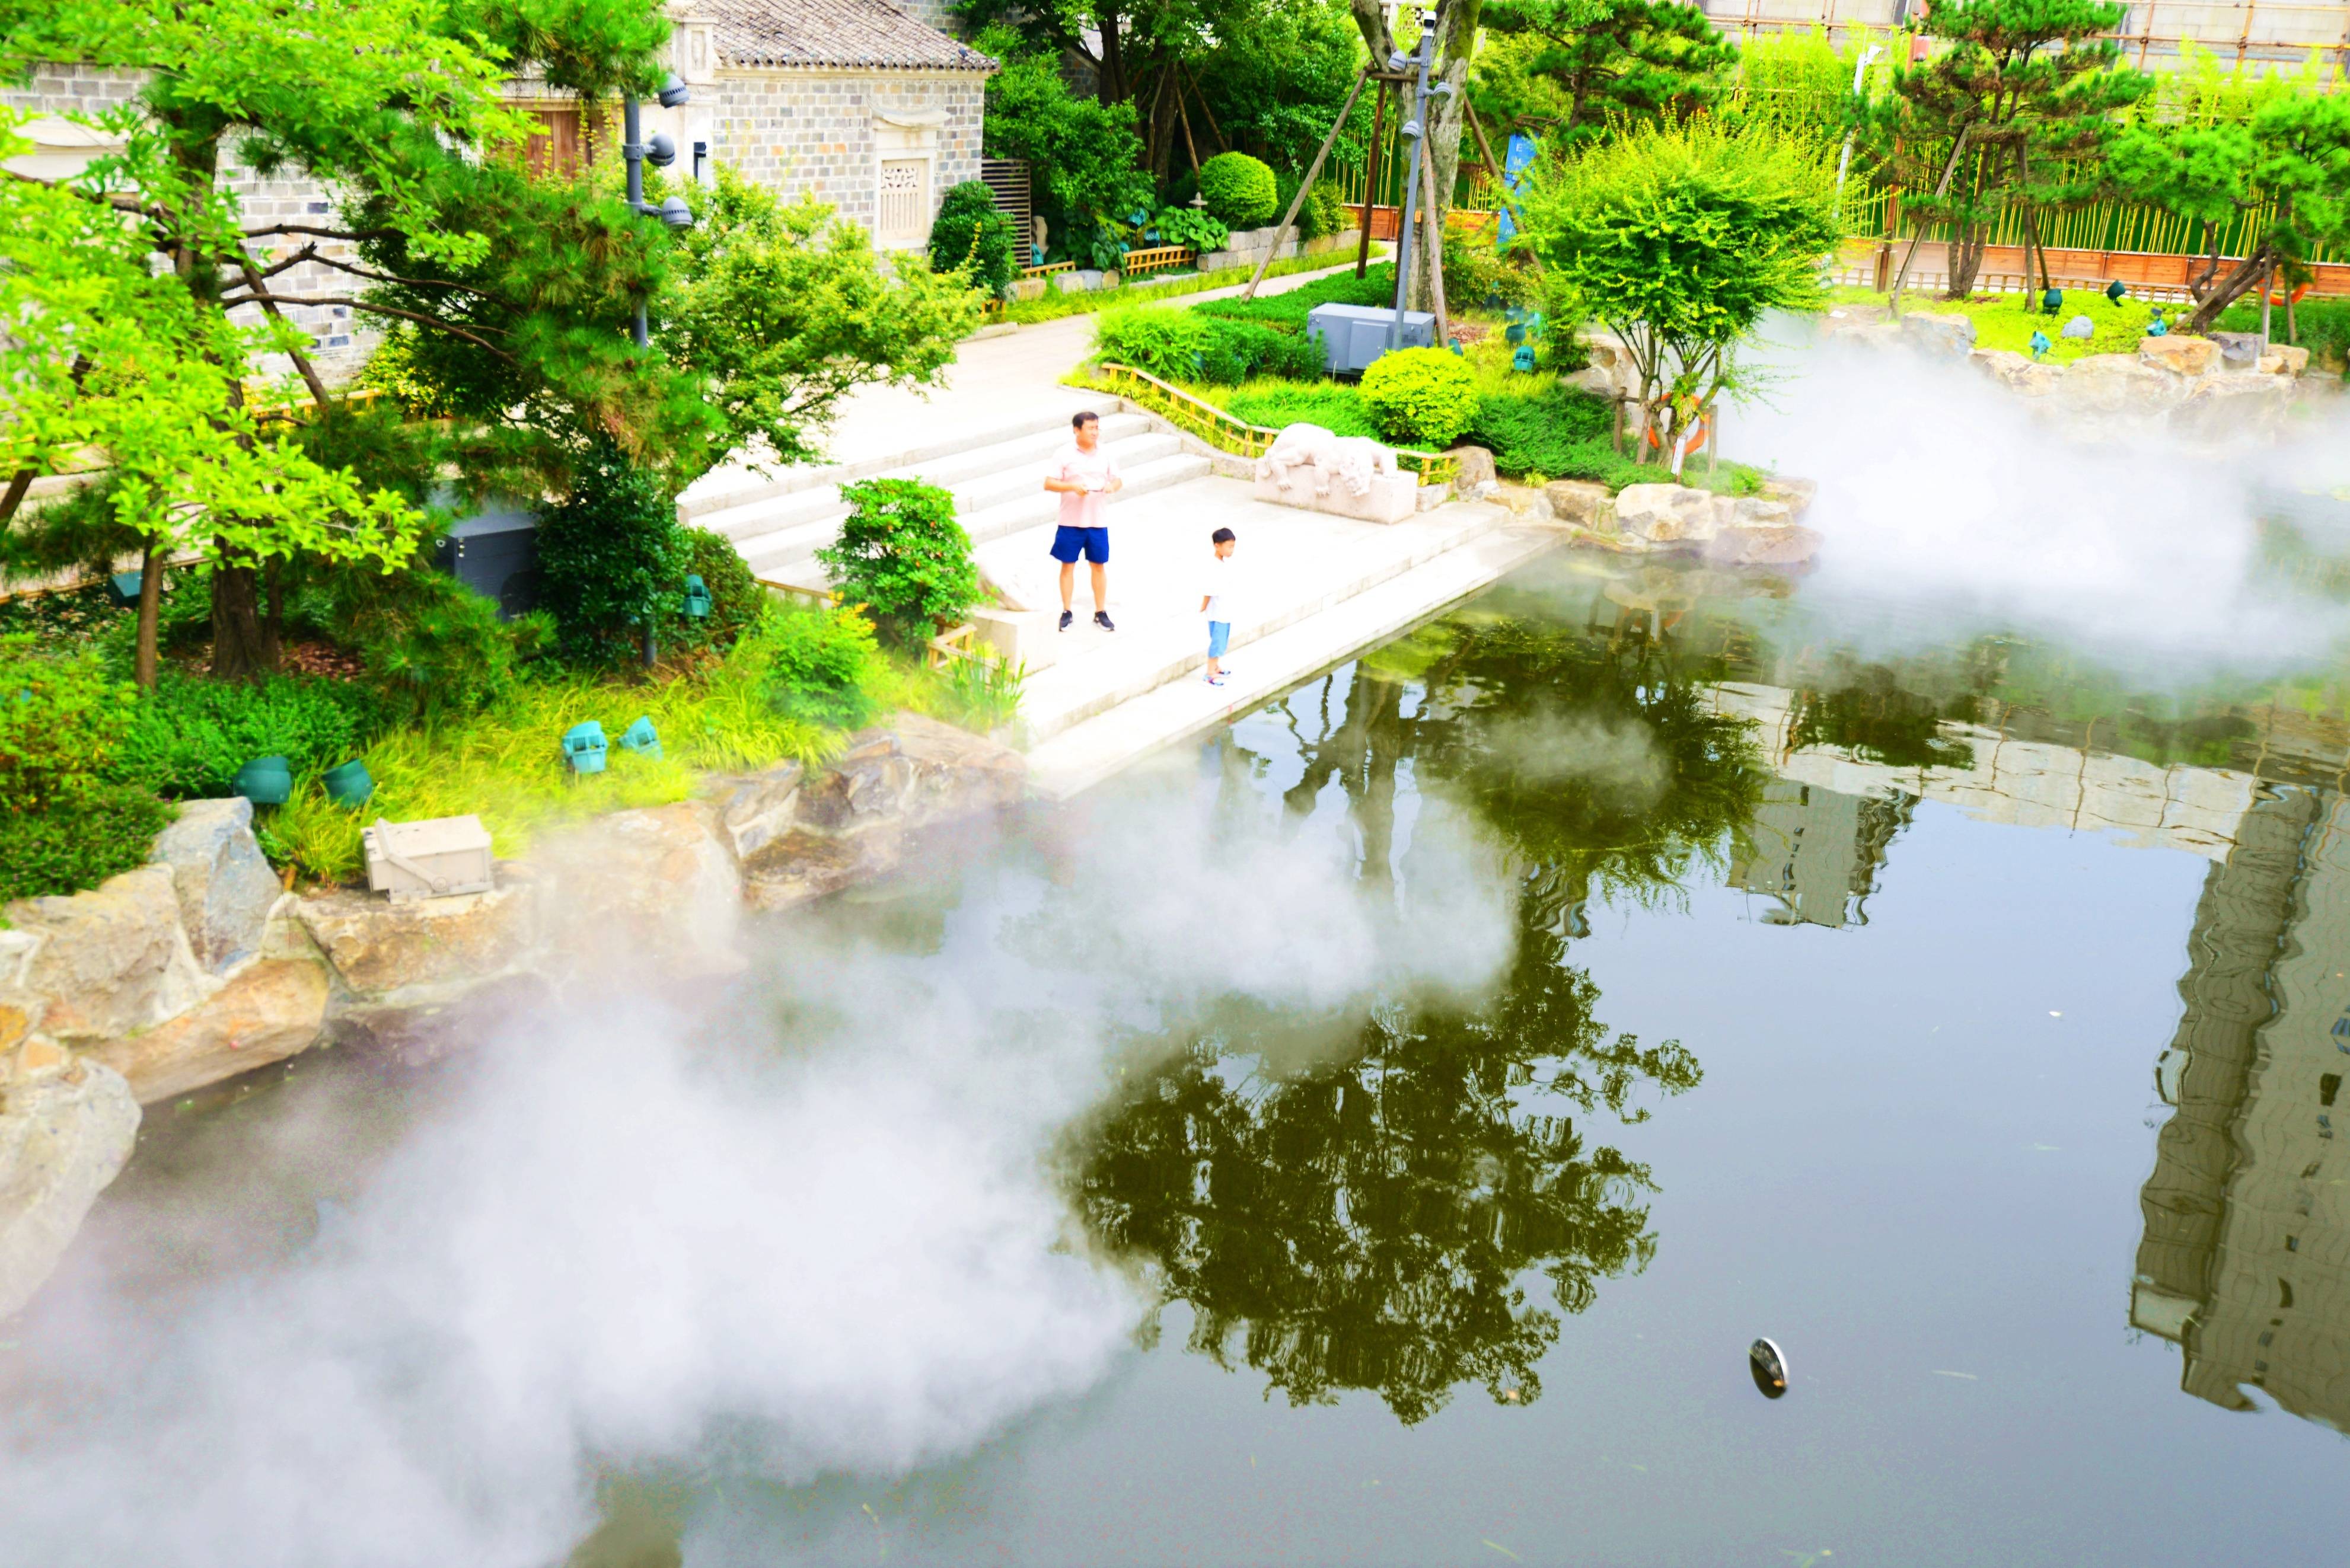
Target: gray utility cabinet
(495, 552)
(1355, 335)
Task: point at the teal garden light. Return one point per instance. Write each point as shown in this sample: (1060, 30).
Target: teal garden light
(641, 737)
(697, 598)
(264, 781)
(584, 747)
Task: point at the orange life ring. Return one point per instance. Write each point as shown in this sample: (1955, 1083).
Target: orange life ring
(2277, 297)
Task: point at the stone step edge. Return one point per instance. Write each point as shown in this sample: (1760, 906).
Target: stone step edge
(1003, 519)
(1085, 755)
(812, 477)
(1173, 665)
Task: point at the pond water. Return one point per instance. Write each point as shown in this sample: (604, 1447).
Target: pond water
(1375, 1134)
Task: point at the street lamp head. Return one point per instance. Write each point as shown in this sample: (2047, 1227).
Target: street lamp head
(1398, 62)
(1412, 128)
(672, 92)
(661, 152)
(676, 214)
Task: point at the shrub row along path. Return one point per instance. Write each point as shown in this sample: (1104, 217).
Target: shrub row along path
(1318, 587)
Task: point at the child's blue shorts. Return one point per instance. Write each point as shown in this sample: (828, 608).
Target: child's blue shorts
(1220, 635)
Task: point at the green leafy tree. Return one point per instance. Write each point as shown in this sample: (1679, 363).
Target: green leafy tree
(902, 556)
(972, 233)
(1608, 63)
(2290, 162)
(1085, 159)
(2010, 115)
(1680, 238)
(334, 94)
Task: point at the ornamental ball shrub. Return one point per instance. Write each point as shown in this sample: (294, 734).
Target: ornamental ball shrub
(1240, 191)
(902, 556)
(970, 231)
(1425, 397)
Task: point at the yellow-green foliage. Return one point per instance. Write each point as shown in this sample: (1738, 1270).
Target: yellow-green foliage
(503, 765)
(1425, 396)
(2007, 321)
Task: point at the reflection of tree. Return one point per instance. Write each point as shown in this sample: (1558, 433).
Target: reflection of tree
(1879, 722)
(1366, 1222)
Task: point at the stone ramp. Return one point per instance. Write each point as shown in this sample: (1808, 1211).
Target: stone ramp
(1127, 721)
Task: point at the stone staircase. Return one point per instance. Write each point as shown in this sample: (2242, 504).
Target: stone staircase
(996, 475)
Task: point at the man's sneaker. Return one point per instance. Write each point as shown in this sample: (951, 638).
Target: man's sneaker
(1101, 619)
(1068, 618)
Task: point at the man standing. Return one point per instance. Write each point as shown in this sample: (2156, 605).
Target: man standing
(1081, 474)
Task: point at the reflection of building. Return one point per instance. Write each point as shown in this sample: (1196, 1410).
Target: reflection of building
(2246, 1258)
(1816, 851)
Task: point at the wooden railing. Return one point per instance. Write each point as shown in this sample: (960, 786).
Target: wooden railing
(1047, 268)
(1229, 432)
(1158, 258)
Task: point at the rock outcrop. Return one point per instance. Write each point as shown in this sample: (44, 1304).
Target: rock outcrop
(198, 966)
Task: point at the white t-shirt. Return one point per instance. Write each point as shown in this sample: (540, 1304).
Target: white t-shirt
(1222, 587)
(1094, 470)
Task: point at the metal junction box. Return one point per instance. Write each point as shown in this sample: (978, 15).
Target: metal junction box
(495, 553)
(1355, 335)
(432, 859)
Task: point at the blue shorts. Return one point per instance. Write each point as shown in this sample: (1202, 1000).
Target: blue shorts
(1093, 542)
(1220, 636)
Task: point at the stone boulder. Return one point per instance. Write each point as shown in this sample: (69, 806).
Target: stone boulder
(1583, 502)
(655, 885)
(2179, 354)
(1938, 336)
(2017, 372)
(1666, 514)
(223, 882)
(64, 1135)
(2237, 351)
(1476, 466)
(1762, 545)
(2109, 384)
(106, 962)
(423, 953)
(864, 817)
(270, 1010)
(2284, 359)
(1795, 495)
(755, 809)
(2224, 407)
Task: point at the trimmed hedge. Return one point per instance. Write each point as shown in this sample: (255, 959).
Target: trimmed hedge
(1240, 190)
(1425, 396)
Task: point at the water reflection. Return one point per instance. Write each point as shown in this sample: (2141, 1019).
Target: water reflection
(1374, 1220)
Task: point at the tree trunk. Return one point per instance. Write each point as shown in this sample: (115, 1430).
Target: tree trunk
(151, 609)
(1113, 85)
(240, 642)
(1447, 112)
(2209, 308)
(1966, 260)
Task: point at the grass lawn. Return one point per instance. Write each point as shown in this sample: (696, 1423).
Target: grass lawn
(2004, 321)
(1154, 290)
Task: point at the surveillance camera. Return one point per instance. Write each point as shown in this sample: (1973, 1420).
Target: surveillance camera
(661, 152)
(672, 92)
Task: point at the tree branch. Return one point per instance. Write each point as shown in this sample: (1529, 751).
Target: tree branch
(114, 199)
(356, 303)
(301, 361)
(374, 276)
(352, 234)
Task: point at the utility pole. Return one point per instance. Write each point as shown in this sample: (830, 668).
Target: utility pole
(1414, 132)
(660, 153)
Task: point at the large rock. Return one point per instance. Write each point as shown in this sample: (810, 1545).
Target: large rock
(2111, 384)
(63, 1137)
(1938, 336)
(1795, 495)
(1762, 545)
(270, 1010)
(1476, 466)
(1583, 502)
(2178, 353)
(2224, 406)
(865, 815)
(2237, 351)
(755, 809)
(655, 885)
(2017, 372)
(1666, 514)
(424, 952)
(2283, 360)
(109, 961)
(224, 884)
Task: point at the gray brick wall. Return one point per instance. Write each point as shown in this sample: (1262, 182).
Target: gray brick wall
(806, 132)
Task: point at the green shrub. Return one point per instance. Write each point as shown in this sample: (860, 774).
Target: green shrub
(1325, 210)
(1424, 396)
(903, 556)
(1559, 348)
(1239, 350)
(736, 600)
(1552, 435)
(188, 737)
(62, 723)
(1478, 277)
(79, 841)
(430, 646)
(606, 556)
(819, 664)
(1163, 339)
(972, 233)
(1274, 404)
(1240, 190)
(1189, 226)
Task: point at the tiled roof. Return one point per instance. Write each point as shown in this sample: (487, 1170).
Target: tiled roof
(870, 34)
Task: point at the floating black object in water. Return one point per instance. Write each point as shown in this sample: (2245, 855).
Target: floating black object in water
(1769, 1365)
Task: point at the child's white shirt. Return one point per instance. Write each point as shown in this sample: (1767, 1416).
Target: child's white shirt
(1222, 587)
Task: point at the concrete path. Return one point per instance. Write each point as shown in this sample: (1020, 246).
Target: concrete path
(1319, 588)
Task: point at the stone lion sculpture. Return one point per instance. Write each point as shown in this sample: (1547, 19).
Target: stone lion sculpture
(1305, 460)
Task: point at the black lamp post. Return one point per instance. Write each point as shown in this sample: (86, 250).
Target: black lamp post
(660, 153)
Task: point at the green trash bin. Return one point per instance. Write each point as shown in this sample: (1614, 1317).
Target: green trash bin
(350, 785)
(264, 781)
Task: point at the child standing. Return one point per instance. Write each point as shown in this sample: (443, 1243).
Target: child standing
(1217, 602)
